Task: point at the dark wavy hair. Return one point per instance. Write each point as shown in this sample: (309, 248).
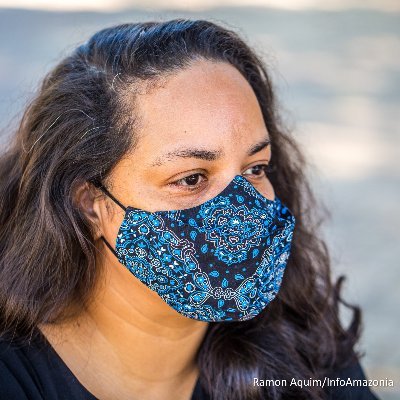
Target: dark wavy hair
(79, 125)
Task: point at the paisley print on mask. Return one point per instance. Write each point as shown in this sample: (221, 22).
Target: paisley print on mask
(222, 260)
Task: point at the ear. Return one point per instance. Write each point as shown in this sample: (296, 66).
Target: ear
(86, 199)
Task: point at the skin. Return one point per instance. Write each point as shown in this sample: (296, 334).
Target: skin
(129, 344)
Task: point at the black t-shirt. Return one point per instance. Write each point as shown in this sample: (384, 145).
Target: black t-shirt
(36, 372)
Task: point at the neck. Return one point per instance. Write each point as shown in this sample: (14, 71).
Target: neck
(150, 339)
(129, 331)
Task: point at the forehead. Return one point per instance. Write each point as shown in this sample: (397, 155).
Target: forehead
(206, 104)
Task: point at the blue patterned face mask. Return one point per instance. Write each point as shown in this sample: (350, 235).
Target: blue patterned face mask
(222, 260)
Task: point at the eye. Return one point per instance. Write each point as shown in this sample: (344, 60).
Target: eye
(190, 182)
(260, 170)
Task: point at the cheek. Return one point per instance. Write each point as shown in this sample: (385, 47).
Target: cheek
(111, 220)
(266, 189)
(270, 191)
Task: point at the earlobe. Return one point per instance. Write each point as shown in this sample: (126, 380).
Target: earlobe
(86, 200)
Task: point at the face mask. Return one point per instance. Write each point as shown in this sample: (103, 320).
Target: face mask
(222, 260)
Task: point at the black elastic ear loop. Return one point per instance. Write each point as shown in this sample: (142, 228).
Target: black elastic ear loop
(107, 193)
(109, 246)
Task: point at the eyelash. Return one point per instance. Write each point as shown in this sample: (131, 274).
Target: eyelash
(267, 168)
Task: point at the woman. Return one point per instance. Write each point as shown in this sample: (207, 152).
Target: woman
(158, 237)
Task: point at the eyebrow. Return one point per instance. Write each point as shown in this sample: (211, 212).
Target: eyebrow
(208, 155)
(259, 146)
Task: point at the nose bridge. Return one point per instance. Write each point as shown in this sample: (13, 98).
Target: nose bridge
(268, 191)
(225, 180)
(232, 168)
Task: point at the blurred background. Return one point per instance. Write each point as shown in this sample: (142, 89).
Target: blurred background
(336, 66)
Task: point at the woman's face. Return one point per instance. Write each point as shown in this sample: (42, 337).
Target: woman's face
(198, 129)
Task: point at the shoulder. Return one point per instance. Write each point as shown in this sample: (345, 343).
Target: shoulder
(33, 371)
(349, 383)
(18, 379)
